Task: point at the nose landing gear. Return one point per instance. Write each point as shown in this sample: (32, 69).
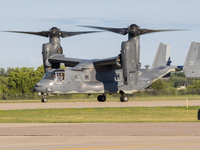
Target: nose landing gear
(44, 98)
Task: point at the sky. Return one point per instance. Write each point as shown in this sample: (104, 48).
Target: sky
(22, 50)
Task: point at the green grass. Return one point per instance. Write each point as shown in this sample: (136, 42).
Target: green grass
(99, 115)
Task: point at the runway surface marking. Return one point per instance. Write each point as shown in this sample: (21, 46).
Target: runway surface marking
(136, 146)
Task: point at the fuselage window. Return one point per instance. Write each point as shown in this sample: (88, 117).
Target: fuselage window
(60, 76)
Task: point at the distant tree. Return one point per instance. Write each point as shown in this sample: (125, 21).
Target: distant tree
(5, 73)
(159, 84)
(178, 74)
(39, 73)
(22, 80)
(3, 81)
(3, 84)
(2, 72)
(194, 85)
(8, 71)
(177, 79)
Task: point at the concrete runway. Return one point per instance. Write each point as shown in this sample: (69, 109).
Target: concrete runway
(109, 136)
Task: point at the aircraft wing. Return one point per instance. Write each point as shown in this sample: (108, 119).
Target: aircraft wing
(79, 64)
(60, 58)
(91, 64)
(105, 62)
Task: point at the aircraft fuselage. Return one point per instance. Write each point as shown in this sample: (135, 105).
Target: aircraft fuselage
(89, 81)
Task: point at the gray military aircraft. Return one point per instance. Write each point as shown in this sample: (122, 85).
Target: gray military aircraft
(120, 74)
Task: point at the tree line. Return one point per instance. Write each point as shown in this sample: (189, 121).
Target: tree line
(173, 84)
(19, 80)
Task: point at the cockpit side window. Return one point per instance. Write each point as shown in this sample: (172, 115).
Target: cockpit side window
(49, 75)
(60, 76)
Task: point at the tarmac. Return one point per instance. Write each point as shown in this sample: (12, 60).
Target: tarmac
(9, 106)
(101, 136)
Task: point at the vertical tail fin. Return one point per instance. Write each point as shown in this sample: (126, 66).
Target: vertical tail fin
(192, 62)
(162, 57)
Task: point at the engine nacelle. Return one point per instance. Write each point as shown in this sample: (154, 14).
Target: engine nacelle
(129, 61)
(47, 51)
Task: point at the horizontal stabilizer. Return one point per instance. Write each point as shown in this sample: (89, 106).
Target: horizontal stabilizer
(162, 57)
(192, 63)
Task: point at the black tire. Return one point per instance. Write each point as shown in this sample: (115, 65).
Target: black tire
(124, 98)
(44, 100)
(198, 114)
(121, 98)
(101, 98)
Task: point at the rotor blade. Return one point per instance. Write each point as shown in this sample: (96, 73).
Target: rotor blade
(43, 33)
(67, 34)
(145, 31)
(122, 31)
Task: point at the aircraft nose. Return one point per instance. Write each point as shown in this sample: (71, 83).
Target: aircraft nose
(39, 84)
(40, 87)
(43, 86)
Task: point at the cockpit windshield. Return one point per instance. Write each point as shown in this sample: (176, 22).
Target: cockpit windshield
(55, 76)
(50, 76)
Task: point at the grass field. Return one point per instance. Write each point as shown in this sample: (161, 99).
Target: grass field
(98, 115)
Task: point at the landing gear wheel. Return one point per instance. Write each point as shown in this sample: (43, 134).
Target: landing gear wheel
(124, 98)
(101, 98)
(44, 100)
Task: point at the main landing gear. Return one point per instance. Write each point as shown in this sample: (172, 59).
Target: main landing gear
(101, 98)
(44, 98)
(123, 97)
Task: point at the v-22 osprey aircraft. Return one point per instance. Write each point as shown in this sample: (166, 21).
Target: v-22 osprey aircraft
(120, 74)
